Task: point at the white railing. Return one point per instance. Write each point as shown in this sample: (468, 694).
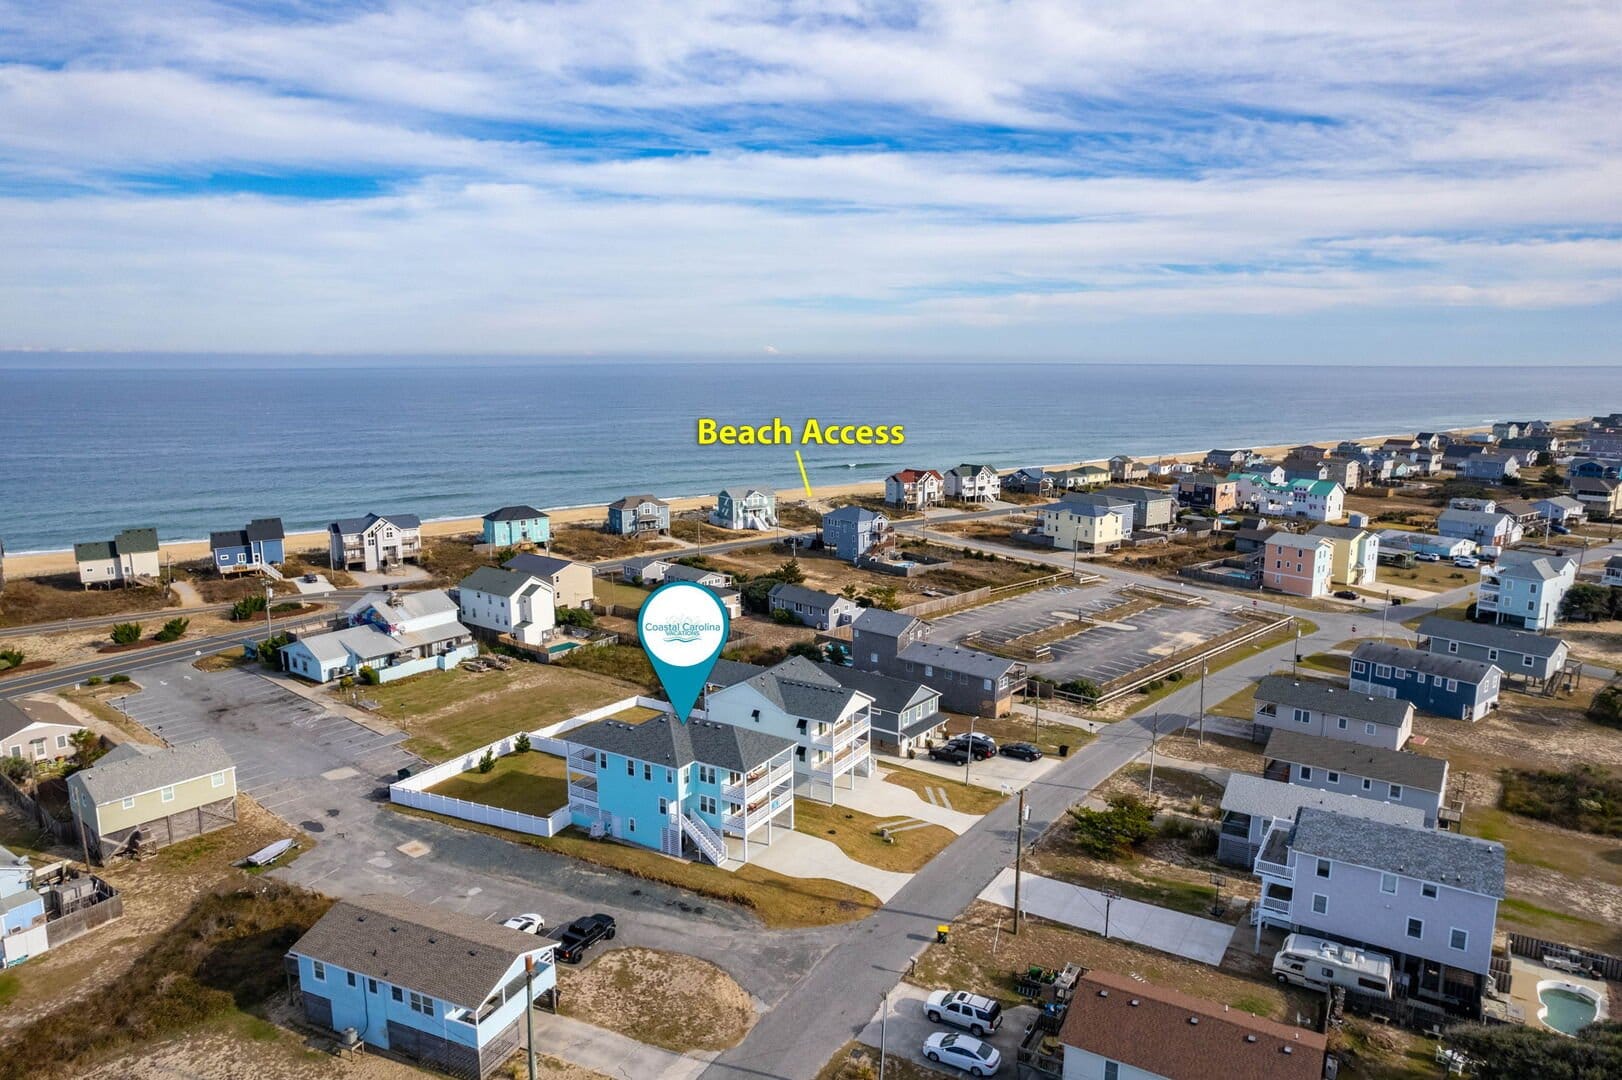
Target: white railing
(583, 793)
(584, 762)
(462, 810)
(705, 838)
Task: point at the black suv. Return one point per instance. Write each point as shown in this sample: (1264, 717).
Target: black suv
(952, 755)
(981, 746)
(582, 934)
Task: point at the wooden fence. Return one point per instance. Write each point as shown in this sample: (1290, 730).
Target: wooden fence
(1260, 626)
(986, 594)
(35, 813)
(1601, 964)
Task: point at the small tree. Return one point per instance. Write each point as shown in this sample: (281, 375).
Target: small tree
(1086, 688)
(521, 742)
(808, 649)
(487, 762)
(850, 592)
(1112, 834)
(1606, 708)
(248, 607)
(87, 748)
(15, 769)
(368, 675)
(126, 633)
(573, 616)
(785, 617)
(790, 572)
(10, 658)
(346, 682)
(884, 596)
(172, 630)
(1586, 603)
(270, 650)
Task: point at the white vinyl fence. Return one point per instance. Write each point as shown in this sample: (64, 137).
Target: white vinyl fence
(413, 791)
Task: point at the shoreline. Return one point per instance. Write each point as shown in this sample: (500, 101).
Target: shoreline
(28, 564)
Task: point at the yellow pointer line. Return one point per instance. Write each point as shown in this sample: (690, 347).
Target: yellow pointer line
(804, 478)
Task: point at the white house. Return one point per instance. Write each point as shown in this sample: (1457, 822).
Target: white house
(976, 483)
(31, 739)
(395, 634)
(507, 602)
(129, 556)
(830, 724)
(914, 489)
(374, 542)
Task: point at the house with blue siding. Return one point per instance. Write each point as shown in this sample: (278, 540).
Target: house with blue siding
(680, 788)
(253, 548)
(395, 634)
(745, 508)
(635, 515)
(853, 531)
(441, 988)
(22, 912)
(519, 524)
(1443, 685)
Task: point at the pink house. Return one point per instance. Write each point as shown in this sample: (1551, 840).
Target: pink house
(1298, 565)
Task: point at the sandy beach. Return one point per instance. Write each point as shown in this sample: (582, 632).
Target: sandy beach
(45, 563)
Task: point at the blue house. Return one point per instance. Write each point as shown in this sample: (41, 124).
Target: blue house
(439, 987)
(638, 514)
(852, 531)
(680, 788)
(517, 525)
(253, 548)
(22, 912)
(1444, 685)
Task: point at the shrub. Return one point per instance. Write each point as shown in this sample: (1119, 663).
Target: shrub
(1086, 688)
(808, 649)
(1112, 834)
(14, 768)
(573, 616)
(269, 650)
(247, 607)
(10, 658)
(488, 762)
(1176, 676)
(785, 617)
(1606, 708)
(790, 572)
(94, 680)
(521, 742)
(126, 633)
(368, 675)
(87, 748)
(118, 678)
(172, 630)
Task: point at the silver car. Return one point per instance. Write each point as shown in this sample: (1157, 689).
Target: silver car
(964, 1052)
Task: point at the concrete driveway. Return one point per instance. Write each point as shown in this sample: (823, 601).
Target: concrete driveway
(877, 796)
(798, 855)
(907, 1027)
(997, 773)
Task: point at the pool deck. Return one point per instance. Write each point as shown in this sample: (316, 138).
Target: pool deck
(1525, 976)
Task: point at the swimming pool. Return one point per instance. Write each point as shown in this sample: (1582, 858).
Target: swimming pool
(1567, 1007)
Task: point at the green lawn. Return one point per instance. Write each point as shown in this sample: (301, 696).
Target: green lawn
(610, 591)
(530, 783)
(452, 712)
(857, 835)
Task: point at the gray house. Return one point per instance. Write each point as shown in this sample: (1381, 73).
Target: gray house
(638, 514)
(1314, 707)
(969, 681)
(1427, 898)
(904, 712)
(1535, 658)
(1252, 805)
(1154, 508)
(821, 610)
(1398, 777)
(853, 531)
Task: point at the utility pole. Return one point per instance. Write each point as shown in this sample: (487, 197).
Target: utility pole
(969, 760)
(1110, 896)
(268, 634)
(1019, 855)
(1154, 735)
(884, 1019)
(1295, 663)
(529, 1014)
(1202, 702)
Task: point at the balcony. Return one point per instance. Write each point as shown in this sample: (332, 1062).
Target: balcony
(583, 762)
(757, 781)
(583, 791)
(1273, 861)
(756, 815)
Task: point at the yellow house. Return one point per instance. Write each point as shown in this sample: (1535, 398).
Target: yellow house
(1354, 557)
(1083, 526)
(146, 797)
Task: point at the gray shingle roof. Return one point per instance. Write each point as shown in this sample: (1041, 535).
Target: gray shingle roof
(1326, 697)
(728, 672)
(542, 566)
(884, 623)
(136, 769)
(349, 526)
(852, 513)
(683, 572)
(1490, 636)
(631, 501)
(1393, 766)
(266, 529)
(889, 694)
(1259, 797)
(487, 579)
(410, 605)
(668, 742)
(1449, 667)
(799, 594)
(444, 954)
(800, 688)
(131, 540)
(1446, 858)
(227, 538)
(12, 719)
(966, 661)
(520, 512)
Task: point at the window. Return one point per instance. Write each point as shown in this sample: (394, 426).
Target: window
(602, 760)
(1341, 723)
(61, 742)
(1112, 1071)
(318, 970)
(1396, 790)
(1368, 729)
(630, 824)
(1526, 661)
(1306, 772)
(1333, 777)
(1359, 667)
(1453, 646)
(1368, 785)
(1320, 904)
(1423, 678)
(664, 806)
(1382, 671)
(1388, 884)
(630, 768)
(706, 774)
(1302, 716)
(217, 780)
(350, 975)
(706, 804)
(1458, 939)
(128, 802)
(167, 794)
(371, 986)
(647, 771)
(1323, 868)
(396, 993)
(1492, 654)
(1452, 685)
(1427, 890)
(670, 776)
(1416, 928)
(421, 1004)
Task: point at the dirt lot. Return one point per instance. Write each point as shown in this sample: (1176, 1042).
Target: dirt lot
(79, 646)
(588, 543)
(45, 599)
(1597, 643)
(1240, 755)
(664, 999)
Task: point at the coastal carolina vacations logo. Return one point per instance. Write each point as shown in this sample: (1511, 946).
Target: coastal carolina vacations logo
(683, 628)
(682, 631)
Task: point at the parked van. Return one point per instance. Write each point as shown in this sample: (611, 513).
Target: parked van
(1318, 964)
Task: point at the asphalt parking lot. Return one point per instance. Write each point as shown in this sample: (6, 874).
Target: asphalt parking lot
(283, 745)
(906, 1028)
(1102, 653)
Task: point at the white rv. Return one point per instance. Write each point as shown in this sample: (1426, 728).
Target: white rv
(1318, 964)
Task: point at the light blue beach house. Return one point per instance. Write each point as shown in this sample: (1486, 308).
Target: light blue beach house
(22, 912)
(679, 788)
(638, 514)
(436, 986)
(517, 525)
(253, 548)
(746, 508)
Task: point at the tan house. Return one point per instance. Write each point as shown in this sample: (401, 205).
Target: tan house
(1354, 554)
(129, 556)
(1085, 526)
(147, 797)
(29, 739)
(1122, 467)
(570, 581)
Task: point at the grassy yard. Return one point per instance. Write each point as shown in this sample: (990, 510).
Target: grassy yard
(47, 599)
(1149, 880)
(625, 663)
(529, 782)
(779, 901)
(1333, 663)
(611, 591)
(965, 797)
(1453, 611)
(451, 712)
(663, 999)
(1432, 577)
(857, 835)
(588, 544)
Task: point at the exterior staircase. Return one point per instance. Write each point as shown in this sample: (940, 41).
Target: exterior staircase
(271, 572)
(705, 839)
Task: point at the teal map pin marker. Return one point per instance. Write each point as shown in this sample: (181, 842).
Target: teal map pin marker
(683, 628)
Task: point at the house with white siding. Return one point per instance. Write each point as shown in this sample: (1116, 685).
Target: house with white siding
(976, 483)
(1316, 707)
(507, 602)
(130, 556)
(914, 489)
(374, 542)
(395, 634)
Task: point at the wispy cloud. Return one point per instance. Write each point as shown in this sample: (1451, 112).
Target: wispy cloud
(839, 176)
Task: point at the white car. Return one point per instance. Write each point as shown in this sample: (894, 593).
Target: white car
(979, 1016)
(529, 924)
(1428, 556)
(964, 1052)
(1466, 562)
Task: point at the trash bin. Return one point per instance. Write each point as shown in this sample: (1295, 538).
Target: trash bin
(1064, 749)
(940, 933)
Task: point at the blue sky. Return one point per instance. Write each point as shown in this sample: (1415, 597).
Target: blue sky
(1272, 182)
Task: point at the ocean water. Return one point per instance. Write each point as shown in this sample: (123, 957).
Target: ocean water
(85, 453)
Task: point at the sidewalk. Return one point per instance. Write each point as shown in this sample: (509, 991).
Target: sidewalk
(1205, 940)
